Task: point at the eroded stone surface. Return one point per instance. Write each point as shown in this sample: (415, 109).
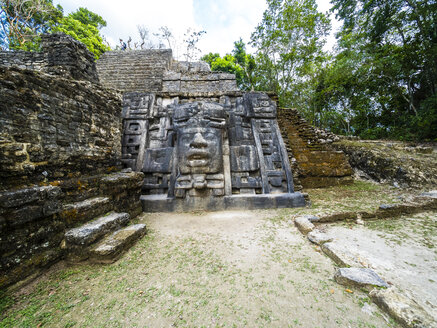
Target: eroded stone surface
(86, 209)
(110, 248)
(340, 255)
(402, 308)
(319, 238)
(303, 224)
(89, 232)
(207, 152)
(358, 277)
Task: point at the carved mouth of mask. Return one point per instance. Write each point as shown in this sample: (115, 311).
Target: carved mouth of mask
(198, 157)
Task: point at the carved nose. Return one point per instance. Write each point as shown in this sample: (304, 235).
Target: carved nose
(198, 141)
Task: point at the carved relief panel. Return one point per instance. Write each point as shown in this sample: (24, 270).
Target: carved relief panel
(205, 147)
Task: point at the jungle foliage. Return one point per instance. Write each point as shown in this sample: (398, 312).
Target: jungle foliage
(379, 81)
(22, 21)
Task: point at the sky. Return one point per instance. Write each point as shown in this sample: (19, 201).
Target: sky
(224, 21)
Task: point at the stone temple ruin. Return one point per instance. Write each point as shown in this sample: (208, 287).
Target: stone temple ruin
(85, 147)
(201, 143)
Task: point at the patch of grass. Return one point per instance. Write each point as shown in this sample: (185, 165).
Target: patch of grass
(6, 301)
(422, 228)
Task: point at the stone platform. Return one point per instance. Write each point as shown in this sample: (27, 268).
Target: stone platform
(162, 203)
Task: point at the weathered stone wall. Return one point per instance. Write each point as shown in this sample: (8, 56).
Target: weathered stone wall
(401, 164)
(60, 55)
(52, 127)
(33, 220)
(134, 70)
(155, 71)
(314, 165)
(197, 77)
(60, 142)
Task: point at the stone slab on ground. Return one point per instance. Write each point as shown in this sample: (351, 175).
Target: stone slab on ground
(360, 277)
(303, 224)
(340, 255)
(90, 232)
(404, 310)
(109, 249)
(404, 257)
(317, 237)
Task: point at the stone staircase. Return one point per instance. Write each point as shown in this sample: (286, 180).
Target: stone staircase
(314, 163)
(96, 213)
(137, 70)
(102, 240)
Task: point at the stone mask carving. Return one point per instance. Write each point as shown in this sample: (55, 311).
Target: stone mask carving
(207, 153)
(199, 134)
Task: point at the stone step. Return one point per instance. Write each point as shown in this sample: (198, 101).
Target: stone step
(88, 233)
(110, 248)
(85, 210)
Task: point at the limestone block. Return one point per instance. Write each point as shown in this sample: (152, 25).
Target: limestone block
(158, 160)
(340, 255)
(358, 277)
(244, 158)
(403, 309)
(85, 210)
(431, 194)
(319, 238)
(303, 224)
(88, 233)
(110, 248)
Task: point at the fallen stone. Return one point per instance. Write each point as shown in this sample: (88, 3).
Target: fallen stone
(360, 277)
(303, 224)
(340, 255)
(312, 218)
(403, 309)
(88, 233)
(109, 249)
(387, 206)
(319, 238)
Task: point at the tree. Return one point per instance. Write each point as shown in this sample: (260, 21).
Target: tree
(191, 38)
(239, 63)
(83, 25)
(289, 42)
(22, 20)
(397, 40)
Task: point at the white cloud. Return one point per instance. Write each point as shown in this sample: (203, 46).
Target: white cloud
(225, 21)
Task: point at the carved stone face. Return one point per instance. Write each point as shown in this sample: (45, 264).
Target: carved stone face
(199, 150)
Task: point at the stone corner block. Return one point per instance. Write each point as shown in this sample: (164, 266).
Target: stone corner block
(319, 238)
(303, 224)
(403, 309)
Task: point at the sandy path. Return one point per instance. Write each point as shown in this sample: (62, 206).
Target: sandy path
(221, 269)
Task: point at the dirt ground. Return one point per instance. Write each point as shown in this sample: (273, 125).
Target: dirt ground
(209, 269)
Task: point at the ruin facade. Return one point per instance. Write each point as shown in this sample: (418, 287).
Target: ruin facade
(201, 143)
(87, 145)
